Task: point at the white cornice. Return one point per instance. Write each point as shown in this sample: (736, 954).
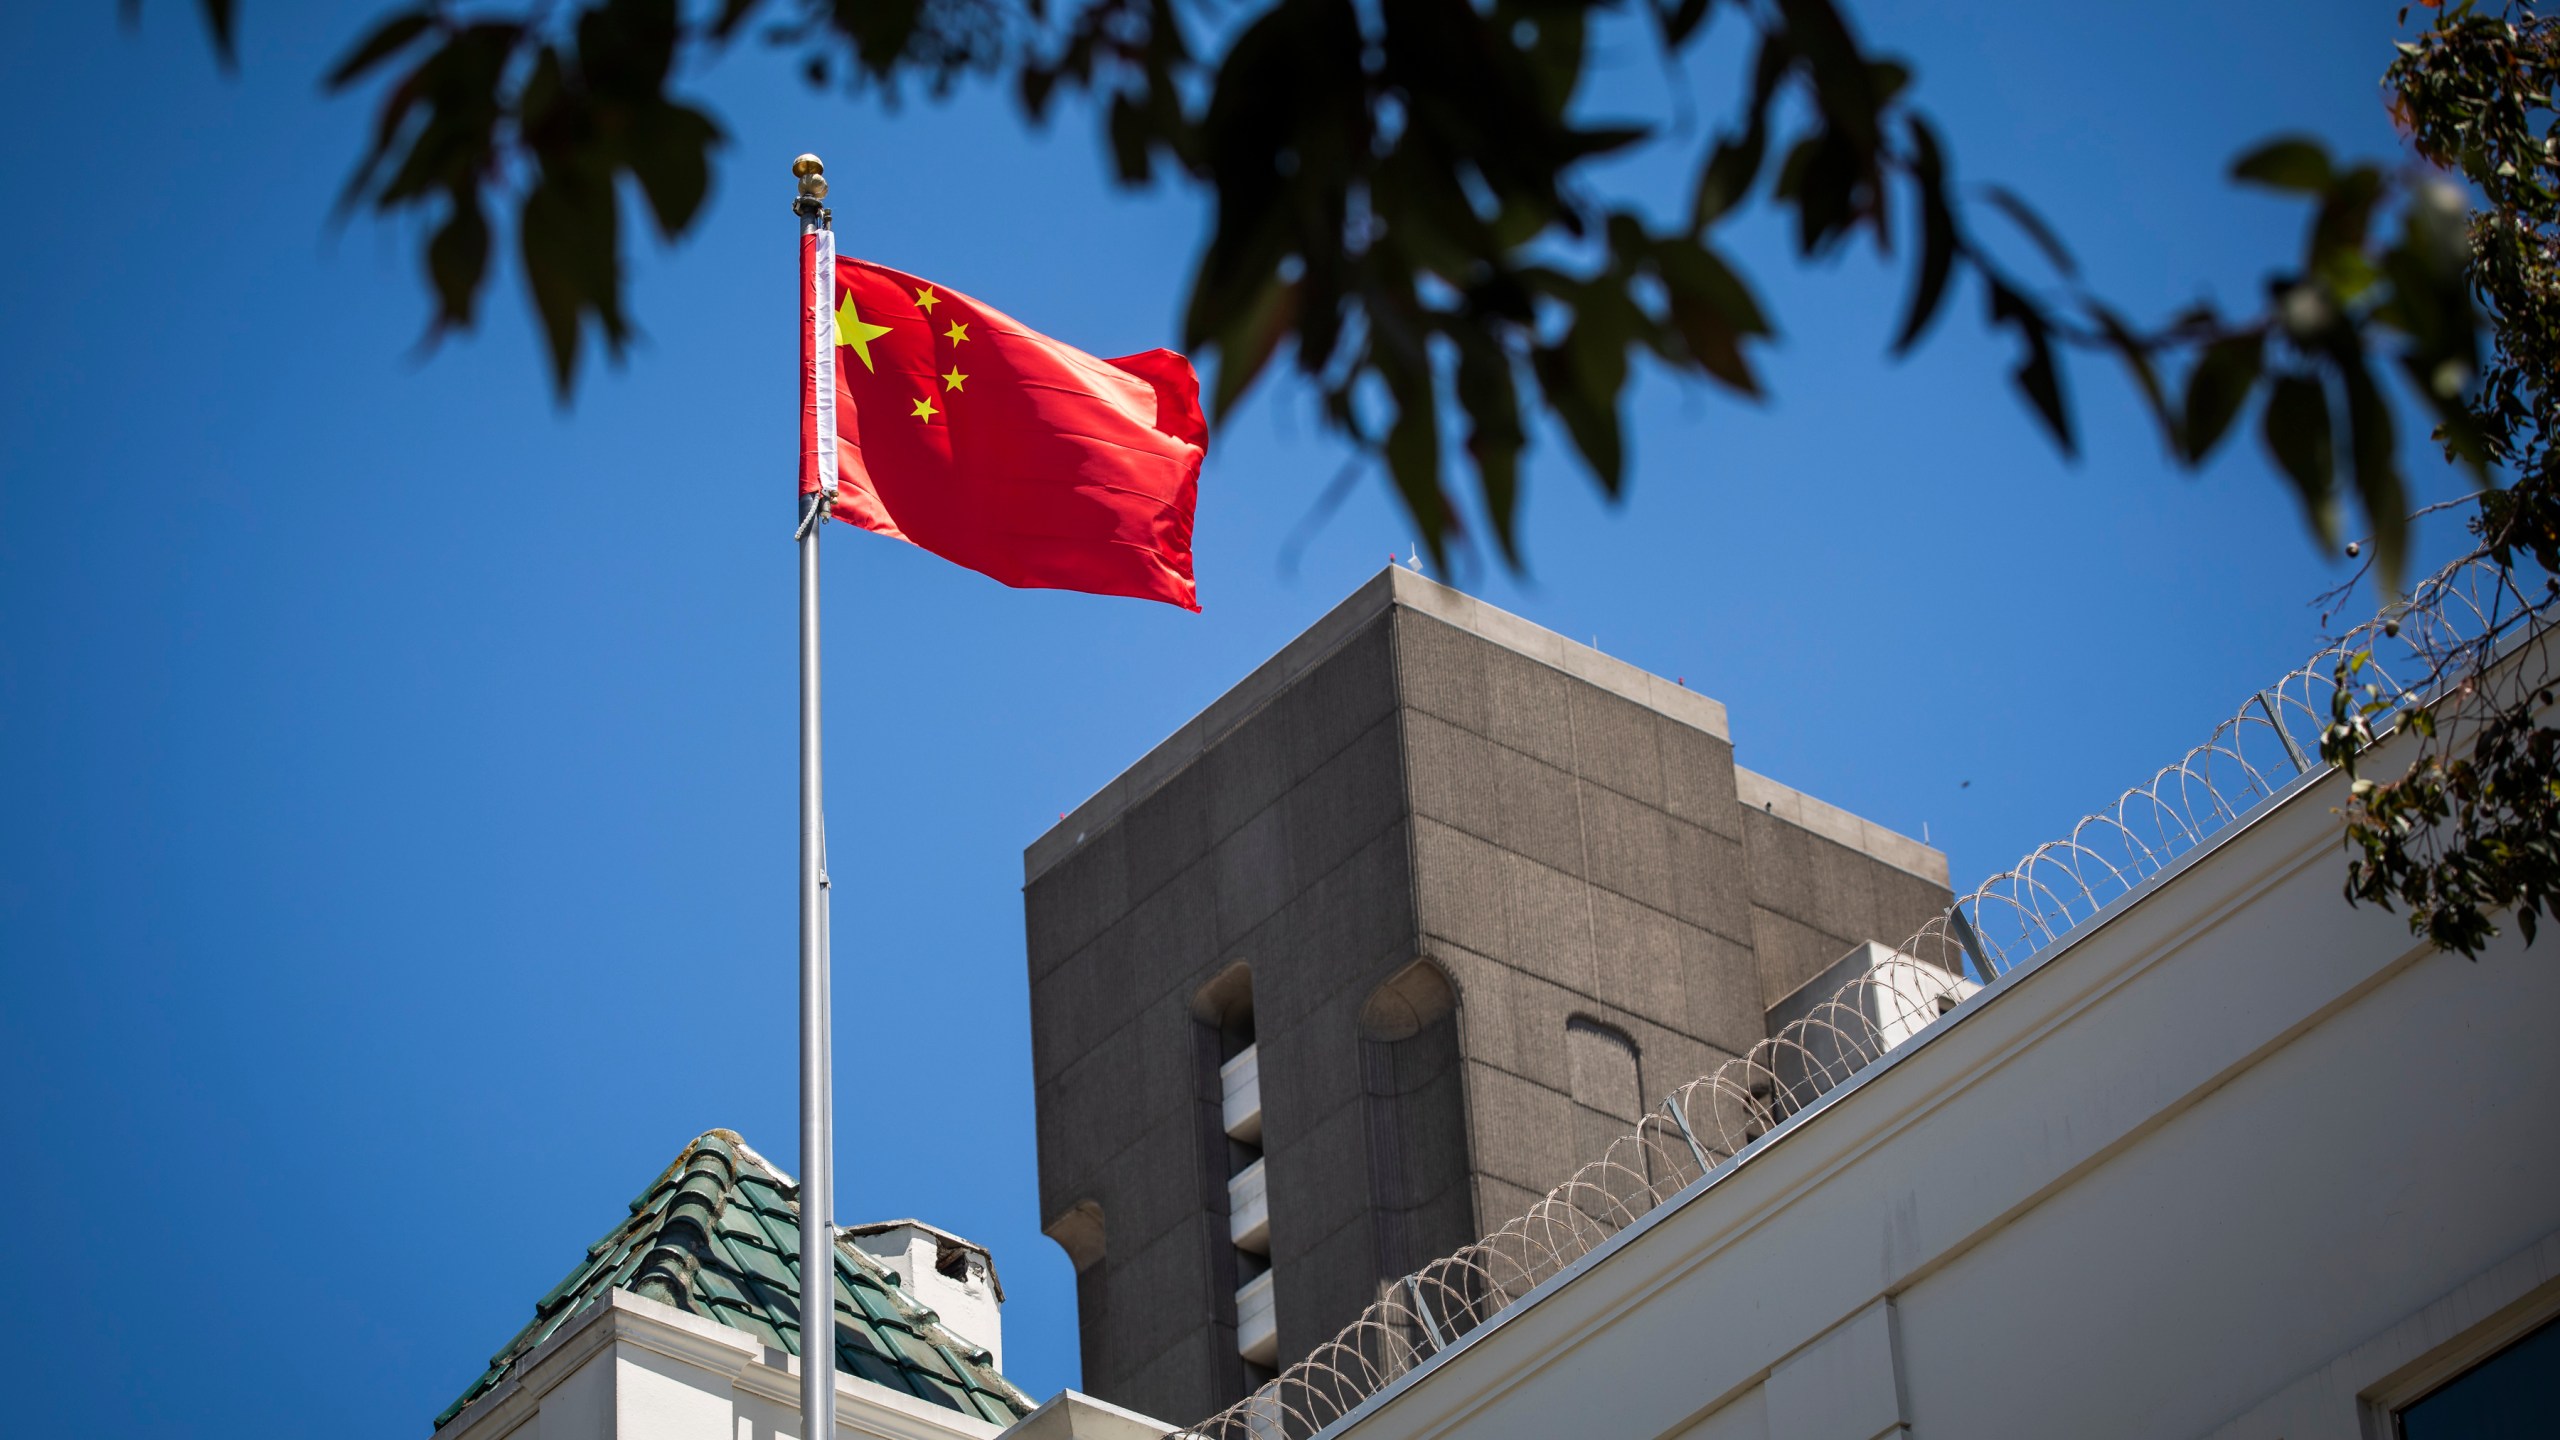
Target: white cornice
(660, 1327)
(729, 1356)
(863, 1407)
(520, 1393)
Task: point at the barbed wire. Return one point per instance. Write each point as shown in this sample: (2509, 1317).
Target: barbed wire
(2447, 630)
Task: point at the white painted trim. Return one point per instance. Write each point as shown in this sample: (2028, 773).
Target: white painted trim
(863, 1407)
(519, 1393)
(1843, 1385)
(1837, 1095)
(734, 1357)
(1796, 1158)
(2353, 1395)
(1074, 1415)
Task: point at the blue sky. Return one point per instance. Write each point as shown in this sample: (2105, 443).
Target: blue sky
(396, 770)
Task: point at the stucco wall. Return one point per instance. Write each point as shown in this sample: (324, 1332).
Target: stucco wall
(2225, 1162)
(629, 1368)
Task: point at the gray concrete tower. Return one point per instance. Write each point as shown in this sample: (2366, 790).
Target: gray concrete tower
(1377, 949)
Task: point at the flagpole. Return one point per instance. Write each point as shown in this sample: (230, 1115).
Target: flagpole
(817, 1087)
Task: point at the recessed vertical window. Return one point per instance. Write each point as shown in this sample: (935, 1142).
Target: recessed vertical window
(2512, 1395)
(1602, 1062)
(1415, 1116)
(1608, 1091)
(1231, 1082)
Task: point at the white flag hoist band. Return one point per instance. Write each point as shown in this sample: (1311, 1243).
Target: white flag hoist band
(817, 1061)
(818, 372)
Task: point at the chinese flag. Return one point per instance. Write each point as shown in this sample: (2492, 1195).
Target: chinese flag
(961, 430)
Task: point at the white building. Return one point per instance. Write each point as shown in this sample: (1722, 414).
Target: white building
(683, 1324)
(2228, 1158)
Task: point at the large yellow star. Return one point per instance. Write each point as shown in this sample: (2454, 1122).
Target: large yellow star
(852, 330)
(954, 380)
(926, 299)
(924, 410)
(957, 333)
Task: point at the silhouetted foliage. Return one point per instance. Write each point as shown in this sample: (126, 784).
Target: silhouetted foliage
(2468, 830)
(1401, 210)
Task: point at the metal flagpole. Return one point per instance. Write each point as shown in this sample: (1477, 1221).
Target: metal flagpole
(817, 1087)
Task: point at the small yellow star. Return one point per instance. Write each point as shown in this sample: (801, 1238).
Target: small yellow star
(853, 330)
(924, 410)
(954, 380)
(926, 299)
(957, 333)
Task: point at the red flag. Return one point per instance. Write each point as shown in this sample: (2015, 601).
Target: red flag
(962, 431)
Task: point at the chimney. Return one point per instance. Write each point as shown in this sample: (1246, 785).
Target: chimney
(954, 1278)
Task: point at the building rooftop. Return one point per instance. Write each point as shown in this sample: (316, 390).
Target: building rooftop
(1396, 586)
(718, 1235)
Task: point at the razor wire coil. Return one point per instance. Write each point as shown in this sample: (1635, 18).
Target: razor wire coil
(2450, 625)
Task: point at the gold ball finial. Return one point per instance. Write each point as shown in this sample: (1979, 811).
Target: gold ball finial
(813, 177)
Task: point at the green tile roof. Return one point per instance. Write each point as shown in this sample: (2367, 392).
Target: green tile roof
(719, 1235)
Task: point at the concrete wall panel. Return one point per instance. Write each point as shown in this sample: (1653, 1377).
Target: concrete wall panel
(1077, 901)
(1426, 778)
(1697, 779)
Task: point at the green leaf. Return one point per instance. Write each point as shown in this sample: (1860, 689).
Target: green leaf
(2040, 380)
(1037, 82)
(1555, 56)
(1735, 162)
(2136, 356)
(1491, 400)
(1691, 267)
(733, 13)
(1844, 84)
(2457, 428)
(1712, 310)
(1131, 142)
(1821, 178)
(1938, 240)
(2380, 490)
(220, 20)
(1727, 177)
(2299, 434)
(1710, 341)
(458, 260)
(1247, 343)
(2345, 217)
(392, 36)
(1581, 378)
(572, 255)
(2217, 388)
(1680, 19)
(549, 237)
(671, 158)
(2294, 162)
(2038, 377)
(1412, 453)
(1602, 140)
(1889, 78)
(2026, 219)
